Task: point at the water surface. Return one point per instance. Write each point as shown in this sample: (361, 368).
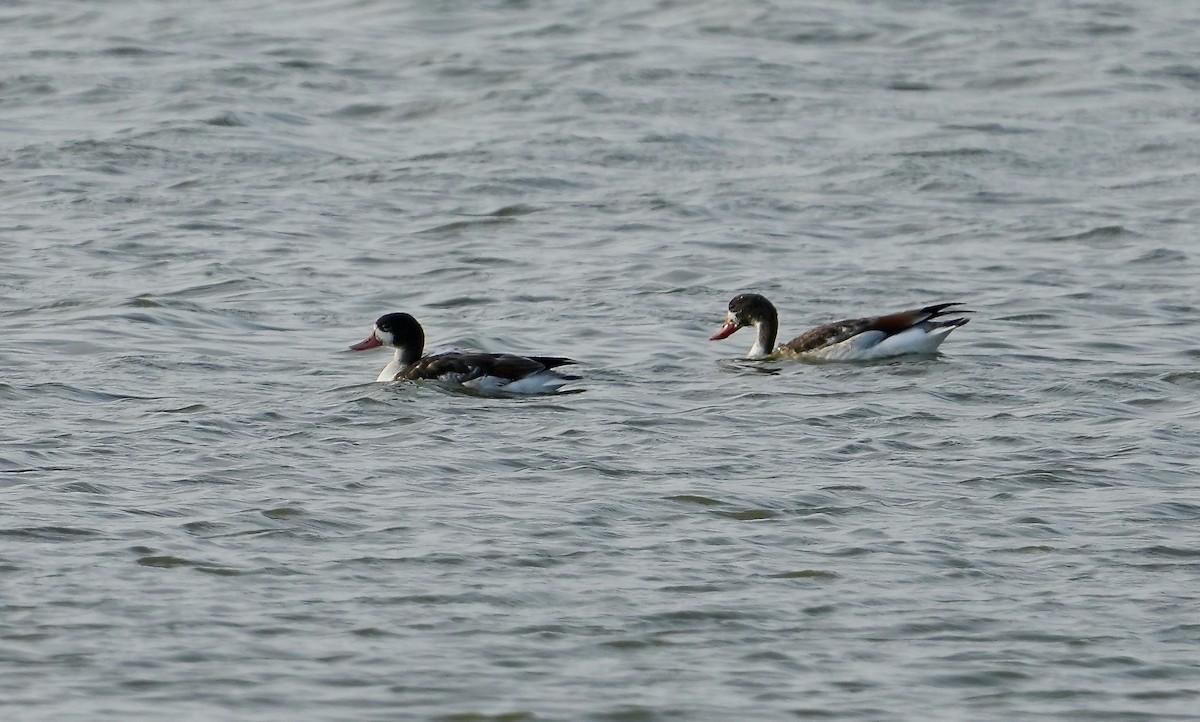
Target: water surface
(210, 512)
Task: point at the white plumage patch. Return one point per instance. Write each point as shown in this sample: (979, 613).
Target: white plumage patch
(542, 382)
(758, 350)
(389, 372)
(915, 340)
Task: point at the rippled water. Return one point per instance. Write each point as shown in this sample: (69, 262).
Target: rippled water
(211, 513)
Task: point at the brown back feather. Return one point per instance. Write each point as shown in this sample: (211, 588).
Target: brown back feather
(828, 334)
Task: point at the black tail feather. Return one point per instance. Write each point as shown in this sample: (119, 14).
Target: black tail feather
(949, 323)
(553, 361)
(940, 309)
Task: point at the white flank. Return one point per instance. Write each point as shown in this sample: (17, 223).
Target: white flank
(915, 340)
(543, 382)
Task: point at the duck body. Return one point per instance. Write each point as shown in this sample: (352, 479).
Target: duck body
(505, 372)
(916, 331)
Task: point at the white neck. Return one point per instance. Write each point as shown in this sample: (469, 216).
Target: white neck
(389, 372)
(760, 348)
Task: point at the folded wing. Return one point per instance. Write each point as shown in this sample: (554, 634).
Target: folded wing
(874, 331)
(463, 367)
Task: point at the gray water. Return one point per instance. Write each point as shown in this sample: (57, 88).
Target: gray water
(211, 512)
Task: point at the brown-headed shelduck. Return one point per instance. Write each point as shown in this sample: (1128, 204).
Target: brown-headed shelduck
(919, 331)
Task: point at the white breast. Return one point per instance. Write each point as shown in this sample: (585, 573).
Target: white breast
(389, 372)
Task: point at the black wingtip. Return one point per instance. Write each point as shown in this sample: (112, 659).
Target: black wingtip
(554, 361)
(941, 309)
